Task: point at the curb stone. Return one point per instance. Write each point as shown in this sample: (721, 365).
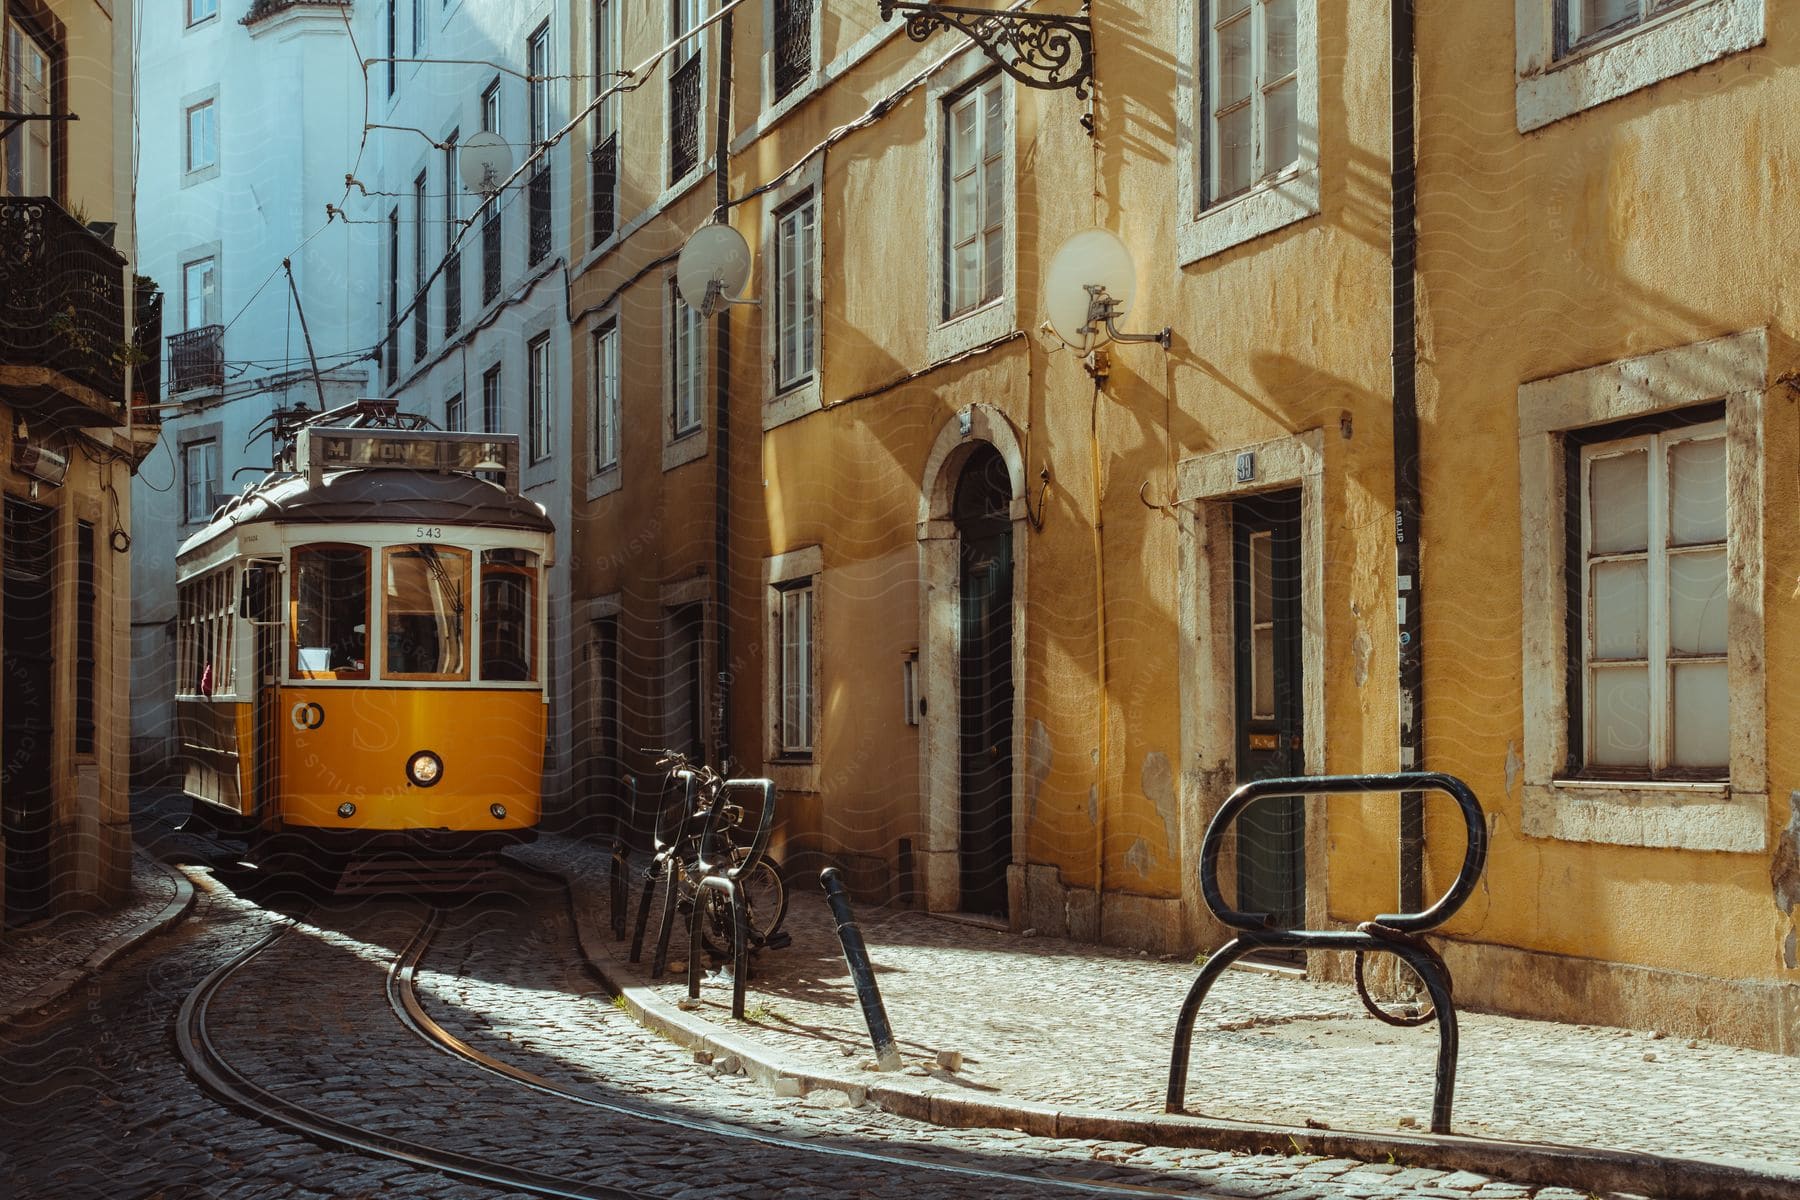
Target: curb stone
(61, 984)
(1540, 1164)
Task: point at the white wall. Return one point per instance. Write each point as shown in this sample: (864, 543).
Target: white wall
(289, 119)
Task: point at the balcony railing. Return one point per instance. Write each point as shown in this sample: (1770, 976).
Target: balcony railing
(452, 294)
(793, 45)
(490, 257)
(146, 340)
(684, 119)
(62, 297)
(197, 359)
(604, 162)
(537, 243)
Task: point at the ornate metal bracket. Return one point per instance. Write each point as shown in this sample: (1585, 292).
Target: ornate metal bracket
(1040, 50)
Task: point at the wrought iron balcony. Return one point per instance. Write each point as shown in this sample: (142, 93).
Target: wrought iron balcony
(490, 257)
(793, 45)
(539, 237)
(62, 312)
(684, 119)
(197, 359)
(604, 161)
(452, 294)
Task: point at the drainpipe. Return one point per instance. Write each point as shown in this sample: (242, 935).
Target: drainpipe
(722, 426)
(1408, 592)
(1104, 758)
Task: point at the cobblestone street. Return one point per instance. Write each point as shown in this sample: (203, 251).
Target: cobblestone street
(96, 1102)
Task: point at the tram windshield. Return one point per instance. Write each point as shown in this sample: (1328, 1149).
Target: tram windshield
(508, 615)
(329, 612)
(424, 605)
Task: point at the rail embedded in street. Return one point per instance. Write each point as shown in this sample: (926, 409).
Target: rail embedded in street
(1398, 934)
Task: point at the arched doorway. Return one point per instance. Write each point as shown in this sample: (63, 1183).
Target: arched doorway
(983, 519)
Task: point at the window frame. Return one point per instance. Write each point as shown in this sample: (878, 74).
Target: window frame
(603, 32)
(201, 18)
(470, 616)
(773, 102)
(537, 90)
(683, 358)
(1583, 448)
(1735, 370)
(210, 310)
(34, 138)
(1555, 78)
(797, 570)
(360, 674)
(209, 448)
(806, 278)
(190, 164)
(1208, 225)
(949, 333)
(456, 415)
(493, 400)
(604, 407)
(539, 396)
(684, 17)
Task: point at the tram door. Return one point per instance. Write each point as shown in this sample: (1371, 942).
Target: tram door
(262, 606)
(1271, 833)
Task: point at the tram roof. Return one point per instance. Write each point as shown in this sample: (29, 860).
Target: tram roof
(379, 495)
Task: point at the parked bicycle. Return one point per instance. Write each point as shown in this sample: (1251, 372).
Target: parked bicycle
(690, 792)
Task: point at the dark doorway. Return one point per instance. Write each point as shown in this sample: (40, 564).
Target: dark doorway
(604, 768)
(683, 690)
(984, 525)
(27, 791)
(1271, 833)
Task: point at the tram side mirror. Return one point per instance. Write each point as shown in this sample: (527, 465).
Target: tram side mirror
(256, 575)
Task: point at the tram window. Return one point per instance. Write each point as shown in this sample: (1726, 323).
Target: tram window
(330, 612)
(424, 605)
(203, 657)
(508, 615)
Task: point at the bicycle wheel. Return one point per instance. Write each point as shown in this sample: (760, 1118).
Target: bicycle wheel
(765, 902)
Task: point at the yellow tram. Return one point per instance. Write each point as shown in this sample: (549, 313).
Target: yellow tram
(361, 646)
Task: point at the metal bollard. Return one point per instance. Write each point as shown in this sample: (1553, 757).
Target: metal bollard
(887, 1054)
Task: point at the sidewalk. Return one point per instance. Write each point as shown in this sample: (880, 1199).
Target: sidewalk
(1050, 1031)
(42, 962)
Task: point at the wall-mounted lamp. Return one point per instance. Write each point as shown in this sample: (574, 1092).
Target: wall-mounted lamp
(1090, 284)
(39, 462)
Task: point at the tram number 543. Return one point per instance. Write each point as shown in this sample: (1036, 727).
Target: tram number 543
(433, 532)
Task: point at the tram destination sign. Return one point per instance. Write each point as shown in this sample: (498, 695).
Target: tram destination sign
(318, 450)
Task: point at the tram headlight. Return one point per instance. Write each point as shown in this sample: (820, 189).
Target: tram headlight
(424, 768)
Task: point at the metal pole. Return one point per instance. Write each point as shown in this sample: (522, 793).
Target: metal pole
(287, 265)
(856, 954)
(722, 670)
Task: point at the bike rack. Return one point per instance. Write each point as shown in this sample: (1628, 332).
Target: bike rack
(1397, 934)
(729, 881)
(664, 864)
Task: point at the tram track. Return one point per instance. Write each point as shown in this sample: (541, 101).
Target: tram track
(403, 996)
(208, 1064)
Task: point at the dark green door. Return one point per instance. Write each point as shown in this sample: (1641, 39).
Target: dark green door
(1271, 833)
(983, 498)
(27, 796)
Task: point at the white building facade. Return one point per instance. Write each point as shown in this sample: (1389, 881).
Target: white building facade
(473, 315)
(250, 115)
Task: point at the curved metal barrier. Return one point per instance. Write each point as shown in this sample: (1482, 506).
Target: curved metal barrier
(1394, 933)
(716, 872)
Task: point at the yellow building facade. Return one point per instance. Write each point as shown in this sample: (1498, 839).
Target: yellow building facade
(79, 343)
(1008, 621)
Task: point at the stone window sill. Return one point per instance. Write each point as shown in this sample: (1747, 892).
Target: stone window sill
(1685, 816)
